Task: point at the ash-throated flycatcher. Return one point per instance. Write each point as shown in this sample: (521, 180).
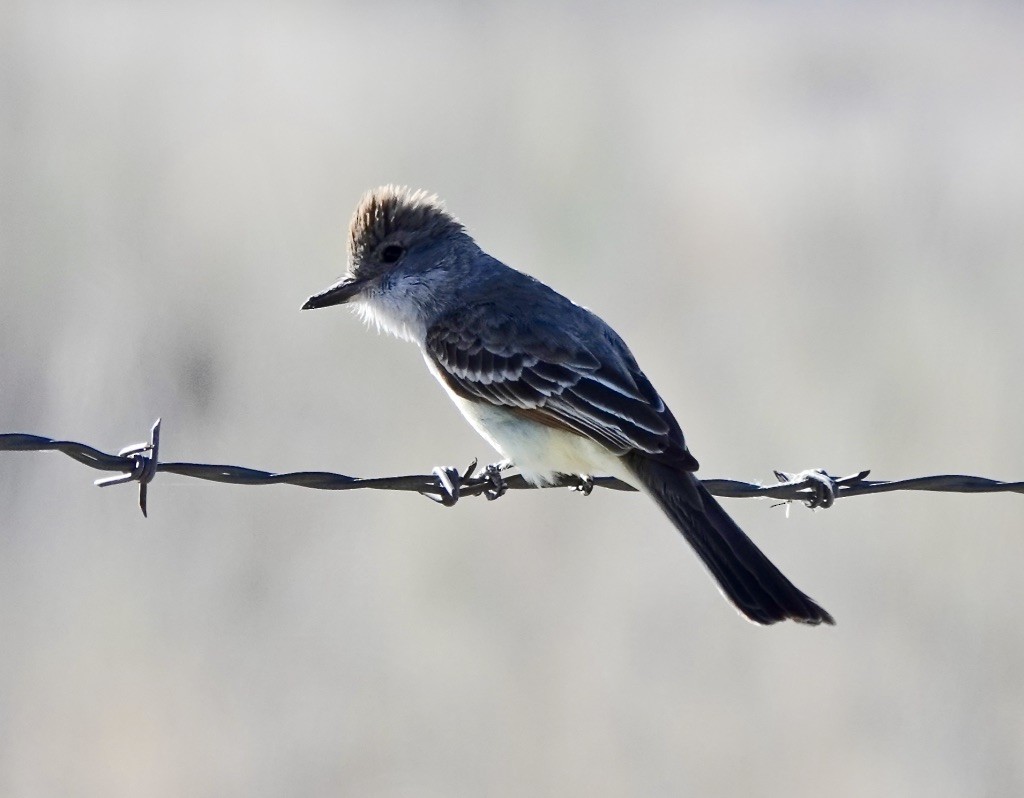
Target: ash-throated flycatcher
(551, 386)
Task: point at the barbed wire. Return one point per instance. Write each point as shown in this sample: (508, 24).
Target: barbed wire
(140, 463)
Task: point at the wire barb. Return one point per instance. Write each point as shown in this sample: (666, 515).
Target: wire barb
(823, 488)
(140, 463)
(140, 466)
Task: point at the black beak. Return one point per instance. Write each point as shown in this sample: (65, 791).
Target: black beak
(338, 294)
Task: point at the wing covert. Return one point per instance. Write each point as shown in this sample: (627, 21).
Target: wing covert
(485, 354)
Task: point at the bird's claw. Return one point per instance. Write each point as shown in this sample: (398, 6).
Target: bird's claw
(496, 485)
(585, 484)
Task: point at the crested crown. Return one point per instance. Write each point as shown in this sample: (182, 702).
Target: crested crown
(389, 209)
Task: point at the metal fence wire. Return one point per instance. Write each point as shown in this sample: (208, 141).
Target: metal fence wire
(140, 463)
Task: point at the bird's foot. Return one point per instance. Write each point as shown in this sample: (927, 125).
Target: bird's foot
(585, 484)
(496, 485)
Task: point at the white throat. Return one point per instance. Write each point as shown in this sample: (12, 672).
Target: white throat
(397, 310)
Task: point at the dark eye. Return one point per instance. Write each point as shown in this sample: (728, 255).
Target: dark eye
(391, 253)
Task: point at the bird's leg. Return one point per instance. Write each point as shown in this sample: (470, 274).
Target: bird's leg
(496, 483)
(585, 485)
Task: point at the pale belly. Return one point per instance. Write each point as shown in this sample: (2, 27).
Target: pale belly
(538, 451)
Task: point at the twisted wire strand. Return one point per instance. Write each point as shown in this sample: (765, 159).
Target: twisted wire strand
(140, 463)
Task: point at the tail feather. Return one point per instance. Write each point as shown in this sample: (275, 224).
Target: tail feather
(747, 577)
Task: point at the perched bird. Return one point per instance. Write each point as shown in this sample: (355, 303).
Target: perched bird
(546, 382)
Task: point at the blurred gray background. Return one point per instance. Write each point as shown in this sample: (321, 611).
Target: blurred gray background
(808, 222)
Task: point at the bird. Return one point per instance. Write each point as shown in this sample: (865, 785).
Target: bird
(552, 387)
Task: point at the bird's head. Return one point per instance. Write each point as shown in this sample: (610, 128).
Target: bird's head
(396, 236)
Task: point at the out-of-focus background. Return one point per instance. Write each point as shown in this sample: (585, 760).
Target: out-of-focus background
(808, 222)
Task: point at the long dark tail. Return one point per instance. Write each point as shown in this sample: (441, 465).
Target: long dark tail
(748, 578)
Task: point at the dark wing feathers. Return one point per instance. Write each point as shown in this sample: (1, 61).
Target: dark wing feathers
(601, 396)
(485, 355)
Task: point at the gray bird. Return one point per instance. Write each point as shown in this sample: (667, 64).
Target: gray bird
(546, 382)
